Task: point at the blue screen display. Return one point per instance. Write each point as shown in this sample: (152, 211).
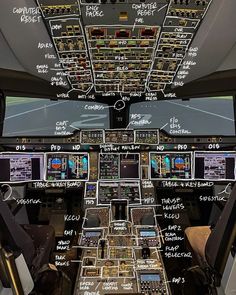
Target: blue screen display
(150, 277)
(147, 233)
(92, 233)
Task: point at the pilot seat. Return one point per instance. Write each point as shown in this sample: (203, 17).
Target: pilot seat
(210, 247)
(35, 242)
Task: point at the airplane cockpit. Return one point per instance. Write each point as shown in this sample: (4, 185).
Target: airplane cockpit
(117, 147)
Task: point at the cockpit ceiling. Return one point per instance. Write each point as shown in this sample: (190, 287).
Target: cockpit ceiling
(28, 47)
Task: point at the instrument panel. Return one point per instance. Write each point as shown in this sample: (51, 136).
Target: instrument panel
(120, 239)
(146, 137)
(118, 167)
(118, 154)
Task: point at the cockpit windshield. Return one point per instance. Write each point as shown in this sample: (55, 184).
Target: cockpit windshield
(202, 116)
(52, 117)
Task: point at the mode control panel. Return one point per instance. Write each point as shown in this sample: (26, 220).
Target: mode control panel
(149, 137)
(118, 136)
(92, 136)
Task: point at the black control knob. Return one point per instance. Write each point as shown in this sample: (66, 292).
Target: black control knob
(146, 252)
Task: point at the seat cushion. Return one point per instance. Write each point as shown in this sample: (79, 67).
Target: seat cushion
(43, 237)
(197, 237)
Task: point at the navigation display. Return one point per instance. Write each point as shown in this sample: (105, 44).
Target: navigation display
(171, 165)
(215, 165)
(21, 167)
(66, 166)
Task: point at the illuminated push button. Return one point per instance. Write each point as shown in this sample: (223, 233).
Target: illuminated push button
(123, 16)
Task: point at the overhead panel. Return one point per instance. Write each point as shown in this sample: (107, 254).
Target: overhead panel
(125, 47)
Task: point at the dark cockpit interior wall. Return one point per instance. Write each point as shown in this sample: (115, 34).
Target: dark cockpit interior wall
(117, 147)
